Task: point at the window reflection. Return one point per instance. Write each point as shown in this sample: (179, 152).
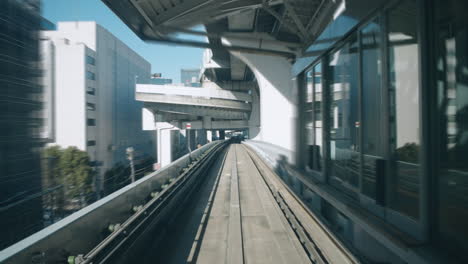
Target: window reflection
(314, 119)
(344, 123)
(452, 68)
(309, 83)
(318, 153)
(372, 146)
(404, 108)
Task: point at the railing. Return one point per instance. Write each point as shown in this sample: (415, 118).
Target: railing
(80, 232)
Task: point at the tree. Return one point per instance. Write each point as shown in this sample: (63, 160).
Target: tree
(53, 201)
(76, 173)
(69, 168)
(115, 178)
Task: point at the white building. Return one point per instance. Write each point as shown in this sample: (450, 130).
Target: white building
(90, 78)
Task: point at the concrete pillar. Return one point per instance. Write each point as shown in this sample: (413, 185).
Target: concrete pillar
(221, 135)
(254, 120)
(207, 122)
(209, 136)
(164, 146)
(201, 136)
(278, 97)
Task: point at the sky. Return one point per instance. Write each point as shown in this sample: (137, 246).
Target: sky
(164, 59)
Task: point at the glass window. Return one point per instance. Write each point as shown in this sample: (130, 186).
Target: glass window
(309, 86)
(90, 60)
(317, 108)
(91, 143)
(314, 119)
(91, 91)
(90, 75)
(309, 126)
(343, 114)
(452, 88)
(91, 122)
(91, 106)
(371, 111)
(404, 140)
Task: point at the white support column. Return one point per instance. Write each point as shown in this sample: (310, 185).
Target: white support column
(278, 98)
(209, 135)
(164, 144)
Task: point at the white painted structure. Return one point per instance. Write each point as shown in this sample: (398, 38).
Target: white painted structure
(92, 80)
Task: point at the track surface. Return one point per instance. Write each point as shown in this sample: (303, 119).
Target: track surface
(232, 219)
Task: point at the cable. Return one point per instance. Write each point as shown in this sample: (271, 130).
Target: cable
(30, 197)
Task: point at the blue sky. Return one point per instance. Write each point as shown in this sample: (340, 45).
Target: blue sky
(165, 59)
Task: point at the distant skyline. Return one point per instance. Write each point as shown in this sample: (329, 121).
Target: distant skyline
(165, 59)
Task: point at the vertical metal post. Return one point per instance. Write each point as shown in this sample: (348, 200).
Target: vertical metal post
(300, 122)
(130, 152)
(326, 118)
(429, 128)
(189, 134)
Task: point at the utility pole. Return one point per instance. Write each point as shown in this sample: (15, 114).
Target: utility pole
(130, 152)
(188, 128)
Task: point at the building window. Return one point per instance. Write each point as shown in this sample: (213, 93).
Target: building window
(91, 122)
(404, 139)
(91, 143)
(91, 106)
(90, 75)
(90, 60)
(91, 91)
(343, 112)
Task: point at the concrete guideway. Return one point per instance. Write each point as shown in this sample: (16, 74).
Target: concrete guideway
(223, 205)
(236, 218)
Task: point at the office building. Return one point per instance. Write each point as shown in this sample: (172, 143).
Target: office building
(90, 77)
(20, 121)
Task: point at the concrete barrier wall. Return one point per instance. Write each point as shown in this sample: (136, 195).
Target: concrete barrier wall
(82, 231)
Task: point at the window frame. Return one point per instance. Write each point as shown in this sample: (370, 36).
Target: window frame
(417, 228)
(318, 175)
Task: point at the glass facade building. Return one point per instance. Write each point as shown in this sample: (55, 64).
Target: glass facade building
(385, 117)
(20, 121)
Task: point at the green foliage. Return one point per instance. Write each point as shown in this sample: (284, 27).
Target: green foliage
(76, 174)
(70, 168)
(408, 153)
(115, 178)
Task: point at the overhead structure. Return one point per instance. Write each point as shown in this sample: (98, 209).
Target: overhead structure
(293, 23)
(245, 41)
(206, 108)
